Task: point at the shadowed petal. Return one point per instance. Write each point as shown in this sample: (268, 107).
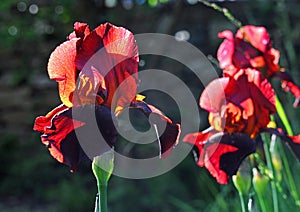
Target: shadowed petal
(147, 117)
(61, 137)
(222, 153)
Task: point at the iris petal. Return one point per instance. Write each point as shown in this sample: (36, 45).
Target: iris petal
(61, 67)
(61, 136)
(222, 153)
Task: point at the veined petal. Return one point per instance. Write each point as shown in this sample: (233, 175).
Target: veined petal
(113, 52)
(61, 68)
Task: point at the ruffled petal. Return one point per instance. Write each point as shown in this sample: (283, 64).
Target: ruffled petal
(43, 122)
(113, 52)
(213, 95)
(258, 37)
(147, 117)
(61, 68)
(226, 49)
(222, 153)
(61, 137)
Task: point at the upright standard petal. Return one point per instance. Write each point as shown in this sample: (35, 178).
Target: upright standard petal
(257, 36)
(61, 68)
(243, 105)
(226, 49)
(113, 52)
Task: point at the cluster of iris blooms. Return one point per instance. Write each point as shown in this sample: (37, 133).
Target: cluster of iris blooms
(238, 112)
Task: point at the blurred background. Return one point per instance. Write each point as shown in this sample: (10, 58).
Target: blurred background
(31, 180)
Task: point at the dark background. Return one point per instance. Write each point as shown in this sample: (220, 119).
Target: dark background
(31, 180)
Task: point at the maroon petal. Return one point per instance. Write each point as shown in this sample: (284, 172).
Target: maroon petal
(113, 52)
(222, 153)
(167, 132)
(61, 137)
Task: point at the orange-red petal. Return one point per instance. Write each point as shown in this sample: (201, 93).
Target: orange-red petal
(61, 68)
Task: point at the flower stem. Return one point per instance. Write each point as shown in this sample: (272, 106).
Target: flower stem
(288, 171)
(288, 128)
(271, 168)
(243, 202)
(283, 117)
(225, 12)
(102, 189)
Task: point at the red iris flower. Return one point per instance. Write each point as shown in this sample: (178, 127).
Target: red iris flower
(251, 47)
(97, 68)
(236, 117)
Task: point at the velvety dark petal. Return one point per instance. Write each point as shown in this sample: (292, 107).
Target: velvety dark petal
(244, 53)
(145, 116)
(61, 137)
(222, 153)
(61, 68)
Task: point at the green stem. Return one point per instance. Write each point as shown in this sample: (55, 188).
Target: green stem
(225, 12)
(283, 117)
(101, 199)
(102, 190)
(243, 202)
(288, 171)
(271, 168)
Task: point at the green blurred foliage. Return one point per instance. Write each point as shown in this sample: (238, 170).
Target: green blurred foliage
(31, 180)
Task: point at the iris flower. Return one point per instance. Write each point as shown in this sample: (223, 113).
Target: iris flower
(236, 115)
(97, 75)
(251, 47)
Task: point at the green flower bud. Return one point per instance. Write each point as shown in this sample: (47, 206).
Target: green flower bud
(276, 159)
(242, 179)
(103, 166)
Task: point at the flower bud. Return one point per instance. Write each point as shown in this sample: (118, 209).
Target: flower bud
(242, 179)
(103, 166)
(276, 159)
